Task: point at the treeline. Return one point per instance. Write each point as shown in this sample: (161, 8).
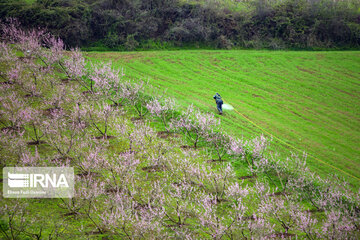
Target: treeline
(149, 24)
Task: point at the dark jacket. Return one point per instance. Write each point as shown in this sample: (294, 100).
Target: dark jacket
(217, 98)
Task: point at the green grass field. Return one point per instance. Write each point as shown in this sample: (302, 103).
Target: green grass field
(310, 100)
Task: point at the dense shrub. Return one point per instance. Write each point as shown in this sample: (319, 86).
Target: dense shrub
(257, 24)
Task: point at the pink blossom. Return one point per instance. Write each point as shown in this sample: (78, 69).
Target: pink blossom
(74, 66)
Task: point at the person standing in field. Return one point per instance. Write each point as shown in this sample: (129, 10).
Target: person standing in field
(219, 102)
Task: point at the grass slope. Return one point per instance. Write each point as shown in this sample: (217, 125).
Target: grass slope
(308, 99)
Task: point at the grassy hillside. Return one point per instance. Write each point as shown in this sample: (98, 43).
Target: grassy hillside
(134, 181)
(310, 100)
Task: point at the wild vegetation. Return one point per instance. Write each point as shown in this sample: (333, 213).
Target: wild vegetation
(134, 181)
(158, 24)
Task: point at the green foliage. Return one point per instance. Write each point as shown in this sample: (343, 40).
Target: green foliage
(130, 25)
(112, 40)
(4, 226)
(131, 43)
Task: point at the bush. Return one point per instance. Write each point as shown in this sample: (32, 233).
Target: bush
(223, 42)
(131, 43)
(112, 40)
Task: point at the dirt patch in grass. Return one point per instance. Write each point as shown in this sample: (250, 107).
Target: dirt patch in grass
(209, 53)
(216, 160)
(65, 80)
(51, 111)
(104, 137)
(22, 58)
(305, 70)
(186, 147)
(70, 214)
(257, 96)
(222, 200)
(347, 93)
(141, 206)
(248, 177)
(247, 218)
(35, 143)
(137, 119)
(155, 168)
(348, 75)
(279, 194)
(319, 56)
(6, 83)
(116, 105)
(169, 60)
(175, 135)
(299, 116)
(282, 235)
(87, 92)
(165, 134)
(112, 190)
(180, 183)
(11, 129)
(148, 61)
(97, 232)
(314, 210)
(30, 95)
(126, 57)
